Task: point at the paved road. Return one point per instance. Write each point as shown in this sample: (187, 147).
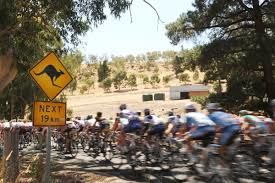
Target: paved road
(99, 166)
(85, 168)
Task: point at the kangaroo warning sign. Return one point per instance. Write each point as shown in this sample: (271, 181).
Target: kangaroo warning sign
(49, 114)
(50, 75)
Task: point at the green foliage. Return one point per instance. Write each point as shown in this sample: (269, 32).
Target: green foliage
(30, 29)
(69, 113)
(156, 69)
(83, 89)
(90, 83)
(118, 64)
(150, 64)
(239, 44)
(184, 78)
(106, 84)
(146, 80)
(132, 81)
(200, 100)
(177, 64)
(155, 80)
(119, 79)
(196, 75)
(166, 79)
(103, 71)
(217, 87)
(73, 86)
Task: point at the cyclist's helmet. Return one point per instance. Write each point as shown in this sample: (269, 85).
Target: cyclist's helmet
(213, 106)
(123, 107)
(147, 112)
(244, 112)
(170, 113)
(189, 108)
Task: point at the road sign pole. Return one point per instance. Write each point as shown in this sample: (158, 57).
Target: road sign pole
(47, 174)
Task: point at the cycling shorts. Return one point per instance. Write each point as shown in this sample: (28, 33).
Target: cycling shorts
(132, 126)
(157, 130)
(204, 133)
(228, 134)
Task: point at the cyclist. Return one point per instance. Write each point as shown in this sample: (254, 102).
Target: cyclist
(130, 120)
(252, 124)
(173, 125)
(101, 123)
(68, 134)
(154, 125)
(200, 127)
(226, 124)
(129, 123)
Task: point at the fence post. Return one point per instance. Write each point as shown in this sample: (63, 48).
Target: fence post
(10, 155)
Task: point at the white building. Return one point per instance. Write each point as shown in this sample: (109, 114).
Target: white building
(187, 91)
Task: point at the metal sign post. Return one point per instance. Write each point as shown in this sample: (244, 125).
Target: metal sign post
(46, 177)
(52, 77)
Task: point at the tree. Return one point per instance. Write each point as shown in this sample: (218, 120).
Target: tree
(242, 33)
(106, 84)
(30, 29)
(132, 81)
(146, 80)
(196, 75)
(119, 78)
(73, 86)
(83, 89)
(154, 80)
(103, 71)
(118, 64)
(177, 64)
(166, 79)
(90, 83)
(184, 78)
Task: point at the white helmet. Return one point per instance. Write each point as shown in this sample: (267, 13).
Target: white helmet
(213, 106)
(189, 107)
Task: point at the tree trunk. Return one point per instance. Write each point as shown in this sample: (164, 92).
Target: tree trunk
(265, 48)
(10, 155)
(8, 69)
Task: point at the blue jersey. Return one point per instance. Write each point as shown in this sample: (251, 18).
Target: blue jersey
(196, 119)
(223, 119)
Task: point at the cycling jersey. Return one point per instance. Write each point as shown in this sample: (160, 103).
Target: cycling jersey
(196, 119)
(223, 119)
(256, 122)
(174, 120)
(153, 120)
(127, 114)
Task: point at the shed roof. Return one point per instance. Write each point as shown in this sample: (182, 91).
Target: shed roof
(189, 88)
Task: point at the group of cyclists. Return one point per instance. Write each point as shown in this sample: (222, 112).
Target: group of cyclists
(192, 126)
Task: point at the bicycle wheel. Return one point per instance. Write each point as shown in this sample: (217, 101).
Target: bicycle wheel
(74, 148)
(117, 159)
(218, 170)
(245, 165)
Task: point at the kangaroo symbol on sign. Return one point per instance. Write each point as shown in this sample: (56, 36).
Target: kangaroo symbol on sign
(52, 72)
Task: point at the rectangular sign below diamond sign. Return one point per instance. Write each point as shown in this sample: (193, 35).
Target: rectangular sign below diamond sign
(49, 114)
(50, 75)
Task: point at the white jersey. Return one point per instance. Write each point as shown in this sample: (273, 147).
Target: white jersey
(197, 119)
(152, 119)
(127, 114)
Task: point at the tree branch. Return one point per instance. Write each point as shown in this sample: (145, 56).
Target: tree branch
(244, 6)
(159, 19)
(263, 3)
(130, 10)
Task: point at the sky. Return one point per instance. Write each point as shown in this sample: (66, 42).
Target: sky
(144, 34)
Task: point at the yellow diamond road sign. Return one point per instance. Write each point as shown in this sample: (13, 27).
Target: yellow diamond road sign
(51, 75)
